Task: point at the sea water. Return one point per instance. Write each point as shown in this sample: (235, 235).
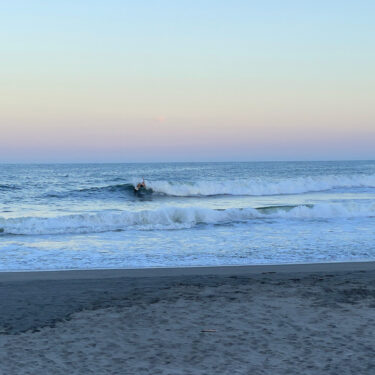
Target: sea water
(67, 216)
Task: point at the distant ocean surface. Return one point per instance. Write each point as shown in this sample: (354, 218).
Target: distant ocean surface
(86, 216)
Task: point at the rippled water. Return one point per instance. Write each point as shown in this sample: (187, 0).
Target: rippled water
(88, 216)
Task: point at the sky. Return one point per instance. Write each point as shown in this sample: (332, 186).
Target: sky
(128, 81)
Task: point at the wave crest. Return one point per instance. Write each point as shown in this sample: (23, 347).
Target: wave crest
(121, 188)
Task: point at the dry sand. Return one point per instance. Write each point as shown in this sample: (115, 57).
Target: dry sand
(230, 320)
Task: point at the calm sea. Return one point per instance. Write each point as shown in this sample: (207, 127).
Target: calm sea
(66, 216)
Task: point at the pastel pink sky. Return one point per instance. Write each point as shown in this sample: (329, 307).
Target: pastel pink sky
(187, 82)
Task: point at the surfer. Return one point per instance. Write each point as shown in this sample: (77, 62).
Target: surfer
(141, 185)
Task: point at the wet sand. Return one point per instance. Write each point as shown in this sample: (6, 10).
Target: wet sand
(298, 319)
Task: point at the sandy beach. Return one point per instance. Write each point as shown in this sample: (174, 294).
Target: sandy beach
(298, 319)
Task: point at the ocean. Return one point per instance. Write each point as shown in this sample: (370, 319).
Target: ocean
(87, 216)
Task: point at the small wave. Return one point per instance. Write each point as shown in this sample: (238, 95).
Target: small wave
(176, 218)
(7, 187)
(259, 187)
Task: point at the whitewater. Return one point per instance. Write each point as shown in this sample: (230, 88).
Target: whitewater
(260, 186)
(70, 216)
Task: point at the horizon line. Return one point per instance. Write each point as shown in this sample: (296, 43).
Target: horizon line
(190, 162)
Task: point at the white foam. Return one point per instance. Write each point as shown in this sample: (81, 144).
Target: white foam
(175, 218)
(259, 186)
(328, 210)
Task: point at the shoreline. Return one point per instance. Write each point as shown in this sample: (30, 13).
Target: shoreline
(6, 276)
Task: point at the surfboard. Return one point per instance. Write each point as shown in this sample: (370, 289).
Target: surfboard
(141, 190)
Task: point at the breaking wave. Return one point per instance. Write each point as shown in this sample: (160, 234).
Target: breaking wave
(176, 218)
(248, 187)
(260, 187)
